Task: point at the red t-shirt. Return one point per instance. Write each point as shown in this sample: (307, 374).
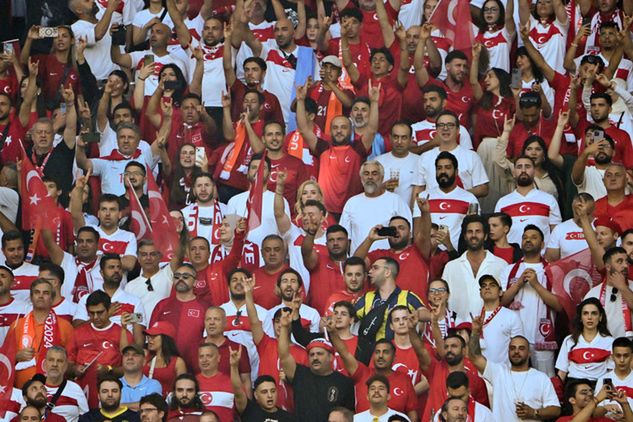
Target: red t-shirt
(11, 151)
(490, 121)
(350, 345)
(225, 354)
(412, 99)
(188, 318)
(460, 102)
(507, 254)
(406, 362)
(64, 234)
(543, 128)
(325, 279)
(390, 102)
(403, 398)
(342, 295)
(296, 171)
(216, 393)
(339, 168)
(265, 287)
(271, 110)
(622, 213)
(10, 85)
(623, 149)
(51, 76)
(414, 271)
(370, 29)
(360, 52)
(322, 97)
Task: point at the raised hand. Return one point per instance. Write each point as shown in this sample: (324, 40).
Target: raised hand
(477, 49)
(423, 204)
(603, 80)
(563, 118)
(241, 227)
(400, 32)
(68, 94)
(226, 99)
(508, 122)
(33, 67)
(373, 91)
(234, 356)
(198, 54)
(146, 71)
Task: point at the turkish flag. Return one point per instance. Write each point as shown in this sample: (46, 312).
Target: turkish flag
(572, 277)
(256, 197)
(139, 223)
(165, 236)
(452, 18)
(7, 374)
(38, 208)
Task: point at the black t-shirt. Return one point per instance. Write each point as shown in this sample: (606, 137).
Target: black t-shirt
(95, 415)
(254, 413)
(58, 166)
(316, 396)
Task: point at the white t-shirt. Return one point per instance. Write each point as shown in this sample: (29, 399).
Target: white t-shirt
(151, 83)
(410, 173)
(97, 53)
(142, 17)
(72, 393)
(294, 239)
(532, 311)
(213, 80)
(121, 242)
(586, 359)
(537, 207)
(615, 316)
(161, 282)
(361, 213)
(262, 31)
(23, 277)
(200, 220)
(471, 169)
(66, 309)
(448, 209)
(129, 303)
(366, 416)
(568, 237)
(111, 171)
(531, 387)
(11, 312)
(625, 383)
(498, 43)
(424, 131)
(9, 200)
(592, 182)
(306, 313)
(237, 206)
(497, 334)
(550, 39)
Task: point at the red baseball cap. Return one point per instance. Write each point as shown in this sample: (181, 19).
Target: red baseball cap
(322, 343)
(161, 327)
(609, 223)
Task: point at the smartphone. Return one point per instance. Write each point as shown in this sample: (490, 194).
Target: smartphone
(387, 231)
(149, 59)
(586, 20)
(473, 209)
(171, 85)
(90, 137)
(7, 48)
(119, 36)
(442, 228)
(516, 79)
(200, 153)
(136, 318)
(46, 32)
(609, 382)
(598, 135)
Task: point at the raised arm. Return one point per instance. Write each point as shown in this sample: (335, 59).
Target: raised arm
(553, 151)
(227, 121)
(349, 361)
(32, 34)
(236, 382)
(403, 66)
(474, 72)
(256, 325)
(385, 26)
(474, 348)
(281, 218)
(424, 359)
(70, 130)
(510, 25)
(302, 120)
(104, 23)
(29, 94)
(561, 13)
(309, 255)
(524, 12)
(421, 74)
(372, 126)
(227, 56)
(195, 87)
(55, 252)
(122, 59)
(348, 60)
(76, 202)
(578, 170)
(322, 35)
(156, 101)
(422, 230)
(535, 55)
(597, 251)
(287, 361)
(182, 32)
(300, 30)
(83, 162)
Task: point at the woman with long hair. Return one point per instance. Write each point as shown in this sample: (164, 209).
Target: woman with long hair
(586, 352)
(496, 32)
(178, 177)
(163, 362)
(548, 24)
(495, 102)
(532, 79)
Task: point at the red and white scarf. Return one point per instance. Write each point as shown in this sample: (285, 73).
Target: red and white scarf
(217, 222)
(81, 282)
(626, 313)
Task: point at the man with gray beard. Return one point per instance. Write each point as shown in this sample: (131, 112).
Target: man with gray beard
(372, 207)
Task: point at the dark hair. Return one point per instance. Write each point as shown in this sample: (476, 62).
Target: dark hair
(626, 232)
(552, 171)
(364, 100)
(609, 24)
(536, 71)
(196, 403)
(399, 217)
(351, 12)
(204, 239)
(530, 99)
(393, 265)
(335, 228)
(612, 251)
(601, 95)
(258, 61)
(536, 229)
(445, 155)
(46, 179)
(458, 337)
(54, 269)
(234, 271)
(577, 327)
(380, 378)
(475, 218)
(178, 193)
(449, 113)
(273, 237)
(200, 175)
(108, 197)
(571, 388)
(441, 280)
(403, 123)
(455, 54)
(354, 260)
(383, 50)
(505, 80)
(136, 164)
(36, 378)
(311, 107)
(98, 297)
(258, 157)
(181, 85)
(11, 235)
(108, 257)
(385, 341)
(262, 379)
(537, 17)
(89, 229)
(123, 105)
(347, 305)
(290, 271)
(435, 88)
(505, 219)
(483, 27)
(457, 379)
(260, 96)
(168, 348)
(622, 342)
(109, 377)
(315, 203)
(396, 308)
(156, 400)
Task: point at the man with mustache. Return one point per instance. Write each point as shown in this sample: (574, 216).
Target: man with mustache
(185, 311)
(527, 204)
(528, 293)
(589, 178)
(378, 396)
(34, 394)
(355, 217)
(185, 404)
(110, 408)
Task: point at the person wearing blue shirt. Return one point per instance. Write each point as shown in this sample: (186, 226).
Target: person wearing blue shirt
(135, 384)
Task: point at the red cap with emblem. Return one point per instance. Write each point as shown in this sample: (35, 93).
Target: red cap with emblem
(161, 327)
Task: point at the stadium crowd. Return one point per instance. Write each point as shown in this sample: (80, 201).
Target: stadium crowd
(309, 210)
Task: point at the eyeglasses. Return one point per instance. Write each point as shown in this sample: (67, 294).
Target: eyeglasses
(438, 290)
(614, 294)
(183, 276)
(148, 410)
(445, 125)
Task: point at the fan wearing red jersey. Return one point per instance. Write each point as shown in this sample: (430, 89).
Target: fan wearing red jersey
(216, 390)
(355, 278)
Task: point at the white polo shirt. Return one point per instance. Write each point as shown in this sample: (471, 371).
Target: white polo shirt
(471, 169)
(410, 173)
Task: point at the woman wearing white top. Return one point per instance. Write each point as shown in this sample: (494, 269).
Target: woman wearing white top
(586, 354)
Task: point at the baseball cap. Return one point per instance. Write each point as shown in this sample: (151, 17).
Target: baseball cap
(488, 277)
(161, 327)
(333, 60)
(134, 347)
(322, 343)
(7, 269)
(609, 223)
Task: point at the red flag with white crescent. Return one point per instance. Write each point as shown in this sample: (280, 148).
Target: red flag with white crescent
(572, 277)
(7, 374)
(256, 197)
(166, 237)
(139, 223)
(452, 18)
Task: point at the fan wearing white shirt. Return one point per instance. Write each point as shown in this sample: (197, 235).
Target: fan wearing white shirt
(500, 323)
(567, 238)
(521, 393)
(378, 395)
(621, 377)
